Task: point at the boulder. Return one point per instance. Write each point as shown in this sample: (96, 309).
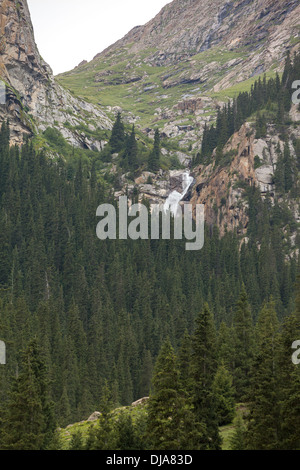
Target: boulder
(142, 401)
(96, 415)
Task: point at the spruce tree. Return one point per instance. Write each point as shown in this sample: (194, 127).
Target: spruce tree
(171, 423)
(237, 439)
(117, 138)
(243, 346)
(288, 168)
(204, 368)
(28, 423)
(76, 442)
(224, 395)
(263, 421)
(131, 152)
(288, 381)
(103, 436)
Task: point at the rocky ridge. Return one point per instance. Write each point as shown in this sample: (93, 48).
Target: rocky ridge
(177, 69)
(217, 47)
(220, 189)
(34, 100)
(250, 161)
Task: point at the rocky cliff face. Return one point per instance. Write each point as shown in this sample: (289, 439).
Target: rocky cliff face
(220, 189)
(249, 161)
(35, 100)
(185, 28)
(178, 68)
(169, 73)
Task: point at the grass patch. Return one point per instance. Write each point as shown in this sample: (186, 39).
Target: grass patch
(233, 92)
(226, 434)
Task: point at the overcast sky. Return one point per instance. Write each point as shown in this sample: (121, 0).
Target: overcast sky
(69, 31)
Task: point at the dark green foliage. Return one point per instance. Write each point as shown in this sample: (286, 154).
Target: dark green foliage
(224, 395)
(76, 442)
(28, 421)
(128, 438)
(102, 310)
(289, 381)
(171, 421)
(263, 93)
(263, 427)
(261, 126)
(204, 368)
(237, 440)
(102, 436)
(131, 152)
(117, 138)
(243, 346)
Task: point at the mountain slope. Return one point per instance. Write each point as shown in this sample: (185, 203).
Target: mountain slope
(174, 71)
(35, 100)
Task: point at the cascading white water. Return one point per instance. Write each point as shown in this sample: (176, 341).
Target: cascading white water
(173, 200)
(2, 353)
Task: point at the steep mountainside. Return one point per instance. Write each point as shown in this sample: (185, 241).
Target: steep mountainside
(174, 71)
(34, 99)
(96, 324)
(187, 27)
(253, 162)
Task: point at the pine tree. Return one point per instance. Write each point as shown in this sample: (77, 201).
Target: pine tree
(171, 424)
(279, 174)
(261, 126)
(297, 150)
(288, 381)
(225, 346)
(117, 138)
(243, 346)
(127, 437)
(76, 442)
(28, 422)
(204, 367)
(224, 395)
(131, 152)
(288, 168)
(263, 420)
(185, 363)
(103, 436)
(237, 440)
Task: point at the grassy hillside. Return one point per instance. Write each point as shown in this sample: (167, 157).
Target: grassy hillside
(138, 414)
(133, 83)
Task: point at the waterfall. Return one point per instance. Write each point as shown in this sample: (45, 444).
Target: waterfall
(2, 353)
(173, 200)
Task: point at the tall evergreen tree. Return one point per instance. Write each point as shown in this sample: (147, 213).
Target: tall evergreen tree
(204, 364)
(237, 439)
(28, 423)
(171, 424)
(288, 381)
(131, 151)
(243, 346)
(117, 138)
(264, 425)
(224, 395)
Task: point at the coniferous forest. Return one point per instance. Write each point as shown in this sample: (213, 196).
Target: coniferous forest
(96, 325)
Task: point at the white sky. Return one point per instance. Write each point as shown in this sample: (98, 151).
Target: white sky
(69, 31)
